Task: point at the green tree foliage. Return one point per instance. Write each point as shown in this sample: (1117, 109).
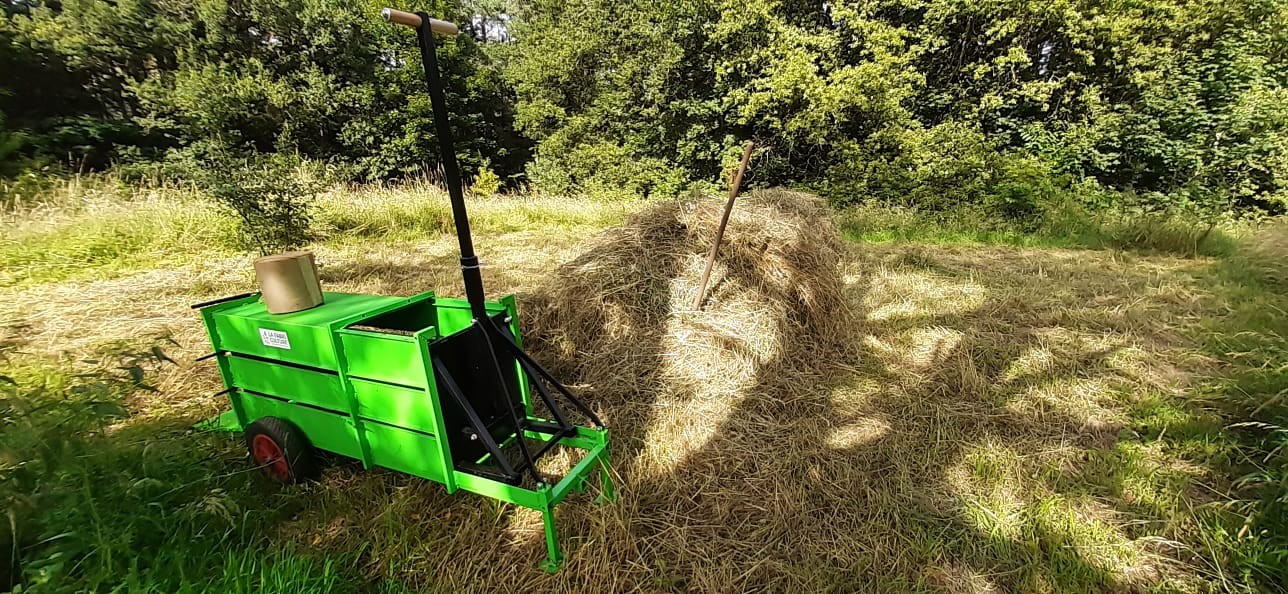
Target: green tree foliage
(1004, 104)
(325, 78)
(272, 196)
(487, 182)
(922, 102)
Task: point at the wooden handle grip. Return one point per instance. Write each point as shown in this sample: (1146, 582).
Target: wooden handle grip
(411, 19)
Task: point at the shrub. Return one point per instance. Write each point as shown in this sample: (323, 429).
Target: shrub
(271, 195)
(486, 182)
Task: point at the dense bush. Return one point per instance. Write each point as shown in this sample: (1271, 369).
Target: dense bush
(928, 102)
(272, 197)
(140, 80)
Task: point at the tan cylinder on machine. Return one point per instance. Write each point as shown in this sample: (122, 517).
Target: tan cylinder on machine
(289, 282)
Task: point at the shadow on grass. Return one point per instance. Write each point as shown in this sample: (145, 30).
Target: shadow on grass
(925, 467)
(99, 499)
(799, 492)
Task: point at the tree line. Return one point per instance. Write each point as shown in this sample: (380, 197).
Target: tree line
(1005, 104)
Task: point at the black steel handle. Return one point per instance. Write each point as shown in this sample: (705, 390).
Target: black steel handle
(222, 300)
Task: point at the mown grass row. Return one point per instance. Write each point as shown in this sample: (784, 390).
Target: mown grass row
(100, 227)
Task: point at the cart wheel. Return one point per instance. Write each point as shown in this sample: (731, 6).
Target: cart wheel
(281, 450)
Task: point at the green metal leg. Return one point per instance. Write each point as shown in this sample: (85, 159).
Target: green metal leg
(554, 560)
(606, 494)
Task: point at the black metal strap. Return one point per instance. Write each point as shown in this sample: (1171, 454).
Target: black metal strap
(509, 401)
(555, 439)
(222, 300)
(545, 395)
(540, 386)
(523, 356)
(480, 429)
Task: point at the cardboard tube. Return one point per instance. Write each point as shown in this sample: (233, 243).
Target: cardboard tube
(289, 282)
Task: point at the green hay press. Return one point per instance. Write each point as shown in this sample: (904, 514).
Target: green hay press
(433, 387)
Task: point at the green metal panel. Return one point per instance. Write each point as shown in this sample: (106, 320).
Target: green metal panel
(498, 490)
(383, 357)
(405, 451)
(302, 337)
(327, 430)
(372, 395)
(436, 412)
(208, 318)
(454, 314)
(317, 388)
(395, 405)
(334, 328)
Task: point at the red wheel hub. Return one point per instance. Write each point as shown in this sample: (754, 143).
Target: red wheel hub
(269, 456)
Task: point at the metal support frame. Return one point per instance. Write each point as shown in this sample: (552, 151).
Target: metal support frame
(529, 427)
(472, 278)
(531, 372)
(311, 385)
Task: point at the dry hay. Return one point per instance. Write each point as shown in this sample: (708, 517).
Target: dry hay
(693, 396)
(619, 318)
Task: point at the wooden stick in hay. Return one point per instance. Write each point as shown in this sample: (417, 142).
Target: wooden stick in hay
(724, 220)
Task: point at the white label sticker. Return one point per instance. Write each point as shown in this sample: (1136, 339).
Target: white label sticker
(274, 338)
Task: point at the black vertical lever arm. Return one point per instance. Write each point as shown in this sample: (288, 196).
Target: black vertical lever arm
(470, 272)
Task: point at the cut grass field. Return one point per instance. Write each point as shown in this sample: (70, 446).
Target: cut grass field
(1010, 418)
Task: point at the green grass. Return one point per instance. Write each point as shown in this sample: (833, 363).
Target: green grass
(145, 506)
(99, 230)
(1037, 420)
(1058, 228)
(1251, 342)
(113, 238)
(1212, 461)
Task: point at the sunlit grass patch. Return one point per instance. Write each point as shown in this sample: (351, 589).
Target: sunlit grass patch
(1173, 233)
(108, 239)
(418, 210)
(911, 294)
(1088, 405)
(1043, 540)
(104, 230)
(858, 433)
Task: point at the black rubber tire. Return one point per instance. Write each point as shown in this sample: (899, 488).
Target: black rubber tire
(300, 463)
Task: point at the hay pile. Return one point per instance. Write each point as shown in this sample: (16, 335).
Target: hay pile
(618, 321)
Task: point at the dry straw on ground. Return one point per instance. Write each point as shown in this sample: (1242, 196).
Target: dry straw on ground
(685, 392)
(618, 319)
